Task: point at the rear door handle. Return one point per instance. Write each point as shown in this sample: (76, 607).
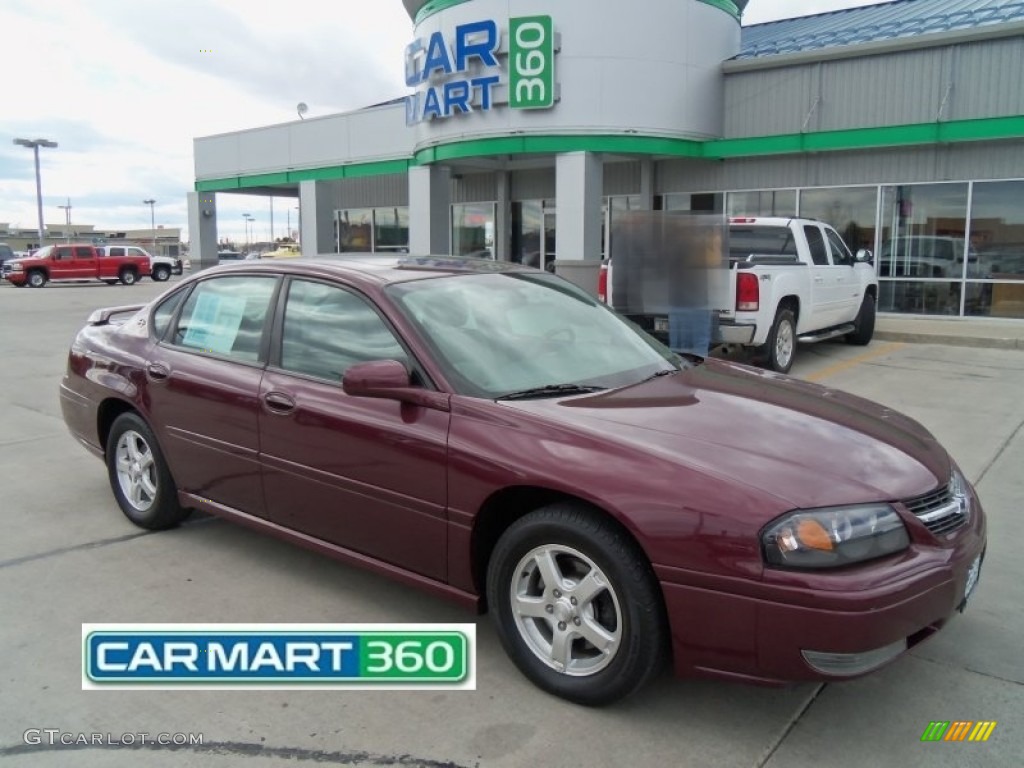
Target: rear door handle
(278, 402)
(157, 372)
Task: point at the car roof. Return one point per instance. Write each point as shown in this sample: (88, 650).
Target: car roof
(377, 268)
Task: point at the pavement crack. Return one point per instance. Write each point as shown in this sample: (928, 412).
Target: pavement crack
(771, 749)
(246, 749)
(965, 668)
(999, 453)
(89, 545)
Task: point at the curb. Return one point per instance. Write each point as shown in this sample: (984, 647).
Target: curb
(986, 342)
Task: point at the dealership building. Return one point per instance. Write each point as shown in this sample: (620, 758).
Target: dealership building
(530, 125)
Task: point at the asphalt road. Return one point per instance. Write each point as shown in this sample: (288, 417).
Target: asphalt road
(68, 556)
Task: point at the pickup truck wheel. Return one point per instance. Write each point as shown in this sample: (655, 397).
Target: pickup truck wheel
(139, 476)
(161, 272)
(576, 605)
(36, 279)
(781, 347)
(128, 276)
(864, 325)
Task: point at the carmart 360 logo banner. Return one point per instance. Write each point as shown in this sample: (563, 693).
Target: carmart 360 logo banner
(250, 656)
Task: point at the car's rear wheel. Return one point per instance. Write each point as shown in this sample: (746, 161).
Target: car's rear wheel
(128, 276)
(161, 273)
(576, 605)
(864, 325)
(781, 347)
(139, 475)
(36, 279)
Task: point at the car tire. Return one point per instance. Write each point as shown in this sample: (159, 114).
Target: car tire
(139, 476)
(161, 273)
(128, 276)
(781, 347)
(864, 325)
(606, 595)
(36, 279)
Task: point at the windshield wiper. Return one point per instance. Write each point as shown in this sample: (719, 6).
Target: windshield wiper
(551, 390)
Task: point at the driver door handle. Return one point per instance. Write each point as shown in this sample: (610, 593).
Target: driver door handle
(157, 372)
(278, 402)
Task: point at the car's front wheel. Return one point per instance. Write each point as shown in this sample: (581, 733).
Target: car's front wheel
(129, 276)
(139, 475)
(36, 279)
(161, 273)
(576, 604)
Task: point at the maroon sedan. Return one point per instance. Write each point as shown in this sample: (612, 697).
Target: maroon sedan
(493, 434)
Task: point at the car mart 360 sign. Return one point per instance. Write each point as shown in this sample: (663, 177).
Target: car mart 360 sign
(463, 74)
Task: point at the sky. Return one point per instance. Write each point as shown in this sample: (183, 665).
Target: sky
(124, 86)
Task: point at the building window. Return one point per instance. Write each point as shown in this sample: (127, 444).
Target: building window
(704, 202)
(355, 230)
(996, 251)
(921, 259)
(367, 230)
(766, 202)
(473, 230)
(852, 211)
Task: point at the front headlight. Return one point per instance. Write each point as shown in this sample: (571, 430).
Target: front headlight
(16, 267)
(832, 537)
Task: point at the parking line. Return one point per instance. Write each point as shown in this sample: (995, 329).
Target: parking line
(843, 365)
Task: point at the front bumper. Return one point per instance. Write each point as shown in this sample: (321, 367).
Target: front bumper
(15, 278)
(793, 626)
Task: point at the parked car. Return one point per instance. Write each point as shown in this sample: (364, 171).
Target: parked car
(283, 251)
(492, 434)
(161, 267)
(6, 253)
(788, 280)
(75, 263)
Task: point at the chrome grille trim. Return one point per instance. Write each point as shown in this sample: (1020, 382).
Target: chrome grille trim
(940, 510)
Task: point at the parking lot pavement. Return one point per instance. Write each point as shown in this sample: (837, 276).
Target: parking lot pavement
(68, 556)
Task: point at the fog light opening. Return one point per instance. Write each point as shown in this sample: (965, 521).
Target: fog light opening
(850, 664)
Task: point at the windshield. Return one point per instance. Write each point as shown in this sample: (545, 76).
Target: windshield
(498, 334)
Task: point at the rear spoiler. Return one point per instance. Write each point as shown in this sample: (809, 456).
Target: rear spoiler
(102, 316)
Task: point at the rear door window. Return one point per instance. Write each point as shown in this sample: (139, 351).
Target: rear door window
(816, 243)
(227, 316)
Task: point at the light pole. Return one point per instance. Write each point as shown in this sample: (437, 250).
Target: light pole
(152, 220)
(67, 216)
(247, 218)
(34, 145)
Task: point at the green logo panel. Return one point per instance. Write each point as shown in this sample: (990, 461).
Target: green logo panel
(531, 62)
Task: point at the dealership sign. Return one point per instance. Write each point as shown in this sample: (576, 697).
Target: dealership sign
(463, 73)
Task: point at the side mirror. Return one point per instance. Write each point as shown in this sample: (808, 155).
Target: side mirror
(865, 256)
(389, 380)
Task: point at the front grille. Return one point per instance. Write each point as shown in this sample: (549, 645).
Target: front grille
(941, 510)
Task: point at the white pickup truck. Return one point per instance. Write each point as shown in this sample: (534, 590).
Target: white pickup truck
(788, 280)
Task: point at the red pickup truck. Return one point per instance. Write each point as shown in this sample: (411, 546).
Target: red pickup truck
(74, 262)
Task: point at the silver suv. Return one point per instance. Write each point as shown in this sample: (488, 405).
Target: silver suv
(161, 267)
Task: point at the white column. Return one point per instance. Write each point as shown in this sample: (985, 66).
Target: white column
(202, 229)
(578, 186)
(430, 200)
(316, 218)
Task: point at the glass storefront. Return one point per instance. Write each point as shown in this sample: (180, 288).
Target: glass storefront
(996, 251)
(473, 230)
(921, 254)
(366, 230)
(768, 202)
(850, 210)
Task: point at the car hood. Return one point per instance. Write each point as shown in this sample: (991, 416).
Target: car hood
(802, 443)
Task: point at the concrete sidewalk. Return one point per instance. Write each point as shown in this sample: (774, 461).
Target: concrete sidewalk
(952, 331)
